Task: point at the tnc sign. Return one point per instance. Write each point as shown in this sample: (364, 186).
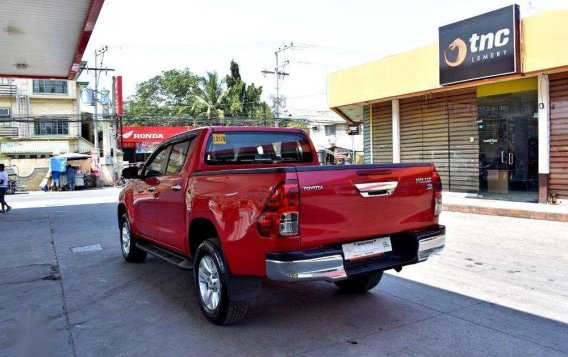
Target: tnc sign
(480, 47)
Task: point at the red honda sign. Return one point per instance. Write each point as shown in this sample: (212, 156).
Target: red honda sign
(149, 134)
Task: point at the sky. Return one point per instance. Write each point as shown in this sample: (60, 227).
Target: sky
(146, 37)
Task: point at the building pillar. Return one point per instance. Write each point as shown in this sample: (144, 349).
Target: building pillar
(543, 137)
(395, 131)
(106, 162)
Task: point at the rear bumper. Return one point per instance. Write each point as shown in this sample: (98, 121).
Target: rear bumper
(328, 263)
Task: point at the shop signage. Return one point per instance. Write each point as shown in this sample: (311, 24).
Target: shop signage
(482, 46)
(149, 134)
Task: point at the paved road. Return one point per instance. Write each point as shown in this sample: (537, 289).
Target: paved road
(500, 288)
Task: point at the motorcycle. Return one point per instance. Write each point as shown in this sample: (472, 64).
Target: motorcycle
(12, 185)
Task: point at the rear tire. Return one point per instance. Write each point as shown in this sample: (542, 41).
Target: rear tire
(211, 276)
(130, 252)
(360, 283)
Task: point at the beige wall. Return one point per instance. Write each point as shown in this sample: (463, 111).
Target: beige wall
(26, 166)
(50, 104)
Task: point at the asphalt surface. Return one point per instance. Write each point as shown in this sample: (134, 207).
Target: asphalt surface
(500, 288)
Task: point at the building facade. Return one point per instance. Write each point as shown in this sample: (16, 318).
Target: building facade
(337, 142)
(488, 105)
(37, 118)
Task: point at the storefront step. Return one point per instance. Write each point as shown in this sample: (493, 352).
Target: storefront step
(549, 212)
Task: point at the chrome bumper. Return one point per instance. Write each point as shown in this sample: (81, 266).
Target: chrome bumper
(328, 268)
(329, 265)
(429, 246)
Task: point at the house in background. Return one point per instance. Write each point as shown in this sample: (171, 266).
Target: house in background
(337, 142)
(39, 117)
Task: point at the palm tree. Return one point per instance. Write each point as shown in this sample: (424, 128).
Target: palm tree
(209, 94)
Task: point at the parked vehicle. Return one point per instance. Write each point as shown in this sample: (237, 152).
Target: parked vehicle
(238, 205)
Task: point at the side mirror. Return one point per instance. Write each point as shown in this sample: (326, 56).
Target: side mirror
(130, 172)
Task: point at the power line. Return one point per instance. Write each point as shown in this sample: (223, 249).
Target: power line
(279, 101)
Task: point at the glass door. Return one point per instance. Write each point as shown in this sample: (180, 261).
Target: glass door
(508, 146)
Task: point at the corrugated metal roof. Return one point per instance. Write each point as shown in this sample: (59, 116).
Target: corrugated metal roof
(42, 146)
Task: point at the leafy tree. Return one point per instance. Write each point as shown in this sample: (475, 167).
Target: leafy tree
(209, 96)
(165, 94)
(182, 97)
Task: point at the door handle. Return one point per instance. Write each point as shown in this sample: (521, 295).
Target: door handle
(511, 158)
(502, 157)
(152, 188)
(176, 187)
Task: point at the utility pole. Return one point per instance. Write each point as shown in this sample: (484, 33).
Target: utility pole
(279, 72)
(97, 72)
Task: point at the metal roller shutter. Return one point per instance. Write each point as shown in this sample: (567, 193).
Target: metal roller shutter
(559, 134)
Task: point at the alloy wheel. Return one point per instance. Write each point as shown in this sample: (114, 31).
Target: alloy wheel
(209, 283)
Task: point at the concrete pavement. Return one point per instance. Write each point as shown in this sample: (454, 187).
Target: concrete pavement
(499, 288)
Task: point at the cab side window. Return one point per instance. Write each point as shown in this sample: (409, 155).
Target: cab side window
(177, 158)
(156, 165)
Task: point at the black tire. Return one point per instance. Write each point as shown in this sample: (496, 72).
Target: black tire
(89, 182)
(130, 252)
(218, 309)
(359, 284)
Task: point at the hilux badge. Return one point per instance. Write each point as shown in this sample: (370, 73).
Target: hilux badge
(423, 180)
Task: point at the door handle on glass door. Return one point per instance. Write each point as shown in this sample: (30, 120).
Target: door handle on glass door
(511, 158)
(176, 187)
(502, 157)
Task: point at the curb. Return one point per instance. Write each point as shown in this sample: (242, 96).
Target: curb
(508, 212)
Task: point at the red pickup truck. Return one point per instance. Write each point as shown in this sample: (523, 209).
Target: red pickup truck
(240, 204)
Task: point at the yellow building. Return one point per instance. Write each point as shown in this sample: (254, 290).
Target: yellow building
(497, 132)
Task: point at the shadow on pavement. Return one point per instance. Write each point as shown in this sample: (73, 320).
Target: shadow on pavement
(108, 307)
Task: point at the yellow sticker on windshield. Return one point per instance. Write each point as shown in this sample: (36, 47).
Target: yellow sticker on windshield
(219, 139)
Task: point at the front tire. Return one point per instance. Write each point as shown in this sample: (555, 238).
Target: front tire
(211, 276)
(360, 283)
(130, 252)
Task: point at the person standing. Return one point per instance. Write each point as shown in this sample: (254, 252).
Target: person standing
(3, 189)
(70, 177)
(55, 176)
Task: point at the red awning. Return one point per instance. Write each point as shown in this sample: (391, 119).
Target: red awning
(149, 134)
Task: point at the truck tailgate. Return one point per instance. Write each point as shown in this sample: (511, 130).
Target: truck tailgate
(345, 203)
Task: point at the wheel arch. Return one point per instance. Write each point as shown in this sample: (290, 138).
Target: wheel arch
(200, 230)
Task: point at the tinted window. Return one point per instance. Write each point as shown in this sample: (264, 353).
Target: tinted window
(155, 166)
(257, 148)
(177, 157)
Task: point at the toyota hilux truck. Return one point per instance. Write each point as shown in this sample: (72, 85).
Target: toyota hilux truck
(237, 205)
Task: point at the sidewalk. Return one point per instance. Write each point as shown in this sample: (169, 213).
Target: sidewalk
(458, 203)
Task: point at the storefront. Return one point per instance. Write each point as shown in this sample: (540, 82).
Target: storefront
(138, 142)
(488, 105)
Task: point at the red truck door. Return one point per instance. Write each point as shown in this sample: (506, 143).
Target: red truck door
(147, 222)
(170, 198)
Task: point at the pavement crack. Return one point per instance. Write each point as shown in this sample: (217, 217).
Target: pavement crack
(56, 274)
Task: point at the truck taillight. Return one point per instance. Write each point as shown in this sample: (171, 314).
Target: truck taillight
(437, 184)
(281, 214)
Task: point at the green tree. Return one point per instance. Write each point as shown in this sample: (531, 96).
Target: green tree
(164, 95)
(209, 96)
(181, 94)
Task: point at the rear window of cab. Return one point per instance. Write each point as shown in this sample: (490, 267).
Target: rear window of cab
(240, 148)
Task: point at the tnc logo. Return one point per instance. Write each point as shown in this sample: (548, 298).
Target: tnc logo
(477, 43)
